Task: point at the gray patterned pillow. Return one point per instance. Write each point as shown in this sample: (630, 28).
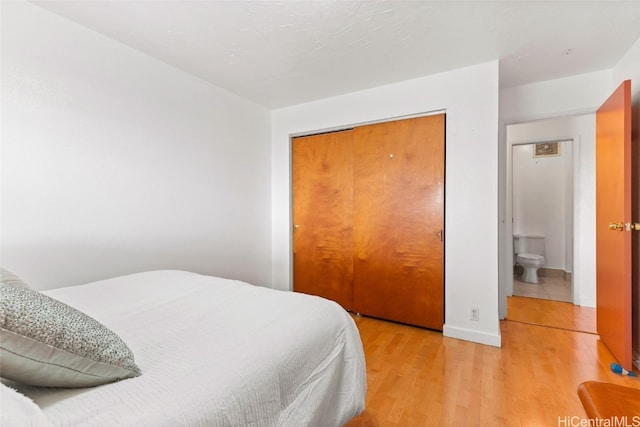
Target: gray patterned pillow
(44, 342)
(7, 278)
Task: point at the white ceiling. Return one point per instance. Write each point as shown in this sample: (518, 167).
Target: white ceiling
(280, 53)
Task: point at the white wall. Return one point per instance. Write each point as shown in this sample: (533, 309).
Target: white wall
(542, 191)
(470, 98)
(569, 96)
(114, 162)
(628, 68)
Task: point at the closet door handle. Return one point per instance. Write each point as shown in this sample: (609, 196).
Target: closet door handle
(440, 235)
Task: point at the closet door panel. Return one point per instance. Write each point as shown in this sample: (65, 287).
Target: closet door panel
(322, 171)
(398, 220)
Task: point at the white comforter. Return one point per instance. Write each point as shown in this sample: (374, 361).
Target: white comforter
(215, 352)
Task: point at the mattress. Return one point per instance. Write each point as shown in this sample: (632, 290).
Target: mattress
(215, 352)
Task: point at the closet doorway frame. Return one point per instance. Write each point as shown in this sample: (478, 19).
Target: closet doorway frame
(351, 126)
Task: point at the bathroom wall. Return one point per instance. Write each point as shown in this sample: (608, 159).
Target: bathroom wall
(542, 195)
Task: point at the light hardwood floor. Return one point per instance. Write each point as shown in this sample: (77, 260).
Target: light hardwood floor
(418, 377)
(557, 314)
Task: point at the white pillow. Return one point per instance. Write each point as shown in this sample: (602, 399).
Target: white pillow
(19, 410)
(44, 342)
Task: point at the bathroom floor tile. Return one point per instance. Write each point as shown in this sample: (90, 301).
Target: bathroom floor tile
(551, 288)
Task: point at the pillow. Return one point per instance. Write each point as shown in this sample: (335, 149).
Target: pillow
(44, 342)
(7, 278)
(19, 410)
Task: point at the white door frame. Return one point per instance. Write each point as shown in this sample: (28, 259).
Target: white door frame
(505, 266)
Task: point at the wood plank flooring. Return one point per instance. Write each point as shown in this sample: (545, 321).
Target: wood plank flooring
(418, 377)
(557, 314)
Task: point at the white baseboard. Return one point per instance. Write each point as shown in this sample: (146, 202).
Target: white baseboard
(472, 335)
(587, 302)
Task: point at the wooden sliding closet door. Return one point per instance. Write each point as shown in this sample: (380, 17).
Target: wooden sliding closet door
(323, 215)
(398, 221)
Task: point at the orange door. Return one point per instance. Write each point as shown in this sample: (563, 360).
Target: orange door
(322, 169)
(613, 216)
(399, 221)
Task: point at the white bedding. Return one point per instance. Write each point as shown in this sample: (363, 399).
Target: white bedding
(215, 352)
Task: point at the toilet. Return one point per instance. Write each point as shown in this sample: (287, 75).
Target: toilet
(529, 254)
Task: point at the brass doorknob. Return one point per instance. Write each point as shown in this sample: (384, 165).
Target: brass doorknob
(616, 226)
(632, 226)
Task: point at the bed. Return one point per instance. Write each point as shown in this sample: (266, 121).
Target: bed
(210, 352)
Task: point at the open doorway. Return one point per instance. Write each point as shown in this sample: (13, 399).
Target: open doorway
(542, 206)
(579, 252)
